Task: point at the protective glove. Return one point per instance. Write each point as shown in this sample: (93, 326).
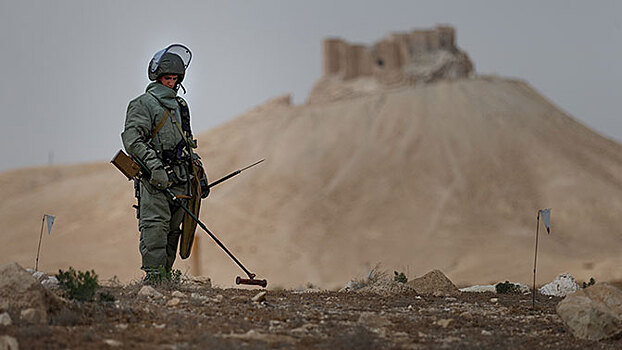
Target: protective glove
(159, 179)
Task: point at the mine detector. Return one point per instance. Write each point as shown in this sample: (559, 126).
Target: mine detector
(134, 169)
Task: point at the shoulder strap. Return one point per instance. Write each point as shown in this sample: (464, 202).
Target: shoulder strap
(161, 123)
(184, 114)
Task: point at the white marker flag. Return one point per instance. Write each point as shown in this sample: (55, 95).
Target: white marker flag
(50, 220)
(546, 218)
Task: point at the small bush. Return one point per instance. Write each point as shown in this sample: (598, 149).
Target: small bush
(78, 285)
(507, 288)
(590, 283)
(376, 274)
(399, 277)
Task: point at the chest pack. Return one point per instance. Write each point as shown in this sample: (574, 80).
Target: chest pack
(184, 112)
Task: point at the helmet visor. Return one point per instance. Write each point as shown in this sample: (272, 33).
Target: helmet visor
(177, 49)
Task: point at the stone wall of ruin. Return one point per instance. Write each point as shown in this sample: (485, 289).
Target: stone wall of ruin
(393, 53)
(421, 56)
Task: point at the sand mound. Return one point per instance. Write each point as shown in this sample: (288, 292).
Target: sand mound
(434, 282)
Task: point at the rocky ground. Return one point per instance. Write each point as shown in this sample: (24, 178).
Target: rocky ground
(196, 316)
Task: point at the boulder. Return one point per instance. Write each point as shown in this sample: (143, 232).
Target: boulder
(51, 283)
(149, 291)
(20, 290)
(434, 282)
(593, 313)
(561, 286)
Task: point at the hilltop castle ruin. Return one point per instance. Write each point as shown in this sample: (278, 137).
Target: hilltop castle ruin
(421, 56)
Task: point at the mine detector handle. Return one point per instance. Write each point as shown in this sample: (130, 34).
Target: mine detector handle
(225, 178)
(144, 171)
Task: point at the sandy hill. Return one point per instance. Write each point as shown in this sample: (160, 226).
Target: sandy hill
(447, 175)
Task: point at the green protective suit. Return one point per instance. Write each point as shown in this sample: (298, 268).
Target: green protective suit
(160, 217)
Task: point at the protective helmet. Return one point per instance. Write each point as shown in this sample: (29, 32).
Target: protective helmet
(172, 60)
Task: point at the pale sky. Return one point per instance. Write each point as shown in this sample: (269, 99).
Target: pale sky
(71, 67)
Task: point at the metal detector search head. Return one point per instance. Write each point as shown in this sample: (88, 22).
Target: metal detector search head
(251, 281)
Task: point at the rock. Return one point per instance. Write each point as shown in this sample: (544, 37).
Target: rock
(122, 326)
(444, 322)
(8, 343)
(261, 296)
(5, 319)
(178, 294)
(434, 281)
(494, 300)
(33, 316)
(112, 342)
(40, 276)
(51, 283)
(20, 290)
(561, 286)
(593, 313)
(149, 291)
(485, 332)
(173, 302)
(373, 320)
(159, 326)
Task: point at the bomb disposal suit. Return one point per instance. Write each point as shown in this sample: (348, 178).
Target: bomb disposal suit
(157, 132)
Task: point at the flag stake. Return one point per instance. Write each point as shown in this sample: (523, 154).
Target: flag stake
(535, 259)
(39, 247)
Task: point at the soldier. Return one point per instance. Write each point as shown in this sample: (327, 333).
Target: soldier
(157, 131)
